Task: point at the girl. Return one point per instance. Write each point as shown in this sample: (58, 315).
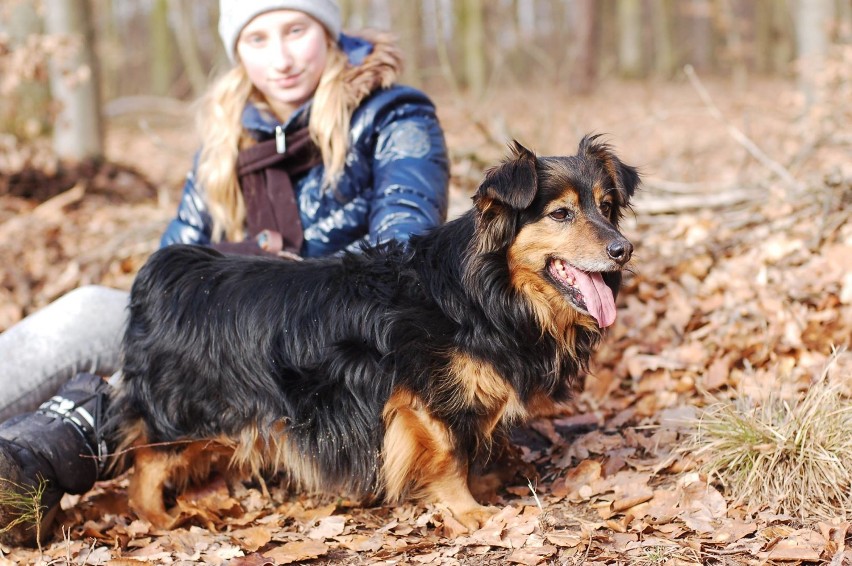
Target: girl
(309, 148)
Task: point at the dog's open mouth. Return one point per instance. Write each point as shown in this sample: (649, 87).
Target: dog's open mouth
(585, 290)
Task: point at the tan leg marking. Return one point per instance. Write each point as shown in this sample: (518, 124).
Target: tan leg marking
(419, 461)
(153, 469)
(145, 492)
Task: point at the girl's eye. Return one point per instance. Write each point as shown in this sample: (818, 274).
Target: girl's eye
(562, 215)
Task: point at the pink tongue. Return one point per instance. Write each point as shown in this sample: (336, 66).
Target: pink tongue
(598, 297)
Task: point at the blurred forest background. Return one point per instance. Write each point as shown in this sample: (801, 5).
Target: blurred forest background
(90, 60)
(739, 115)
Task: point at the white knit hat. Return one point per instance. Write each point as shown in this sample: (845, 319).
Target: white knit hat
(235, 14)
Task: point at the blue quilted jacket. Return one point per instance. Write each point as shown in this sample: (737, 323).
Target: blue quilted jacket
(394, 183)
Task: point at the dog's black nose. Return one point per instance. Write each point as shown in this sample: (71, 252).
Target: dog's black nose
(620, 251)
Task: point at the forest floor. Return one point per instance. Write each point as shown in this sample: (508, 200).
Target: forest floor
(740, 288)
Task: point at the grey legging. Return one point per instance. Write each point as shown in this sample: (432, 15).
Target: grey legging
(80, 331)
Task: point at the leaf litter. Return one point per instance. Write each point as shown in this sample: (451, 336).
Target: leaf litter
(734, 312)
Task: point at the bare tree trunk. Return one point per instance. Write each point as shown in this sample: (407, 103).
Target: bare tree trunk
(345, 11)
(162, 48)
(78, 132)
(784, 46)
(185, 35)
(843, 18)
(812, 21)
(472, 28)
(406, 24)
(108, 42)
(700, 33)
(629, 14)
(356, 12)
(735, 51)
(585, 61)
(665, 60)
(25, 112)
(763, 39)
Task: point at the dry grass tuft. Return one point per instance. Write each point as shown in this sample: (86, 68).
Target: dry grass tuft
(24, 503)
(790, 458)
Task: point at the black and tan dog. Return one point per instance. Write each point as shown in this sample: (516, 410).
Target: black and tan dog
(385, 373)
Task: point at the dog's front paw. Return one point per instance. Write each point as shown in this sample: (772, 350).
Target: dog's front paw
(474, 518)
(159, 520)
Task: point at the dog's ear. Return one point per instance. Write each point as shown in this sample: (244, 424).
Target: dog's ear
(513, 183)
(625, 177)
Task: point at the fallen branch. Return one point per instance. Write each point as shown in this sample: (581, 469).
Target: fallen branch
(681, 188)
(49, 208)
(739, 136)
(169, 107)
(681, 203)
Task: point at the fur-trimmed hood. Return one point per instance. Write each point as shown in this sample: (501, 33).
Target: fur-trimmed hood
(375, 62)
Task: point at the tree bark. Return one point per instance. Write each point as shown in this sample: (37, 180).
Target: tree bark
(162, 48)
(629, 14)
(406, 24)
(665, 59)
(187, 47)
(472, 28)
(585, 61)
(26, 110)
(700, 36)
(812, 21)
(78, 130)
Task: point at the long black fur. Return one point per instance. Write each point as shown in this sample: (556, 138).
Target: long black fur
(215, 342)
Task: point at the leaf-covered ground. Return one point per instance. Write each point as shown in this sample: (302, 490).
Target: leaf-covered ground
(741, 286)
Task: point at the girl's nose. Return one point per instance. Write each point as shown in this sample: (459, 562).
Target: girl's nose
(280, 57)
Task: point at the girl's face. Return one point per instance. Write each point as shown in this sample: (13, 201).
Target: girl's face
(284, 54)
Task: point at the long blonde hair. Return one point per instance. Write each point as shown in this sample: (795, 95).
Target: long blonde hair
(222, 137)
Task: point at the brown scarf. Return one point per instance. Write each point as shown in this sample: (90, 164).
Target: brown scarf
(265, 177)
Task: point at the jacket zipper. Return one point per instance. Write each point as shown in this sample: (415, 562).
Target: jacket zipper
(280, 140)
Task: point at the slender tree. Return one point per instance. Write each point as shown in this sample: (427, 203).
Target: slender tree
(189, 54)
(24, 106)
(78, 132)
(162, 55)
(472, 27)
(629, 15)
(406, 20)
(665, 56)
(586, 35)
(812, 27)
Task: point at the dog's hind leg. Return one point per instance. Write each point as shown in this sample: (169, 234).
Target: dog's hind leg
(419, 460)
(152, 469)
(191, 464)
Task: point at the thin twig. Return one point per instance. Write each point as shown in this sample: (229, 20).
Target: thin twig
(739, 136)
(681, 203)
(682, 188)
(49, 209)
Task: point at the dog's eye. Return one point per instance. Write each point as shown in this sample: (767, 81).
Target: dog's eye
(562, 215)
(606, 208)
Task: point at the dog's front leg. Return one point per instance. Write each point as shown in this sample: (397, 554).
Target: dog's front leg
(420, 461)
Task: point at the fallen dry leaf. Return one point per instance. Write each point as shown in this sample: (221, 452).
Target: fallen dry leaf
(252, 538)
(531, 556)
(732, 531)
(327, 527)
(297, 551)
(582, 475)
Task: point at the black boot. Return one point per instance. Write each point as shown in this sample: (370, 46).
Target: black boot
(57, 449)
